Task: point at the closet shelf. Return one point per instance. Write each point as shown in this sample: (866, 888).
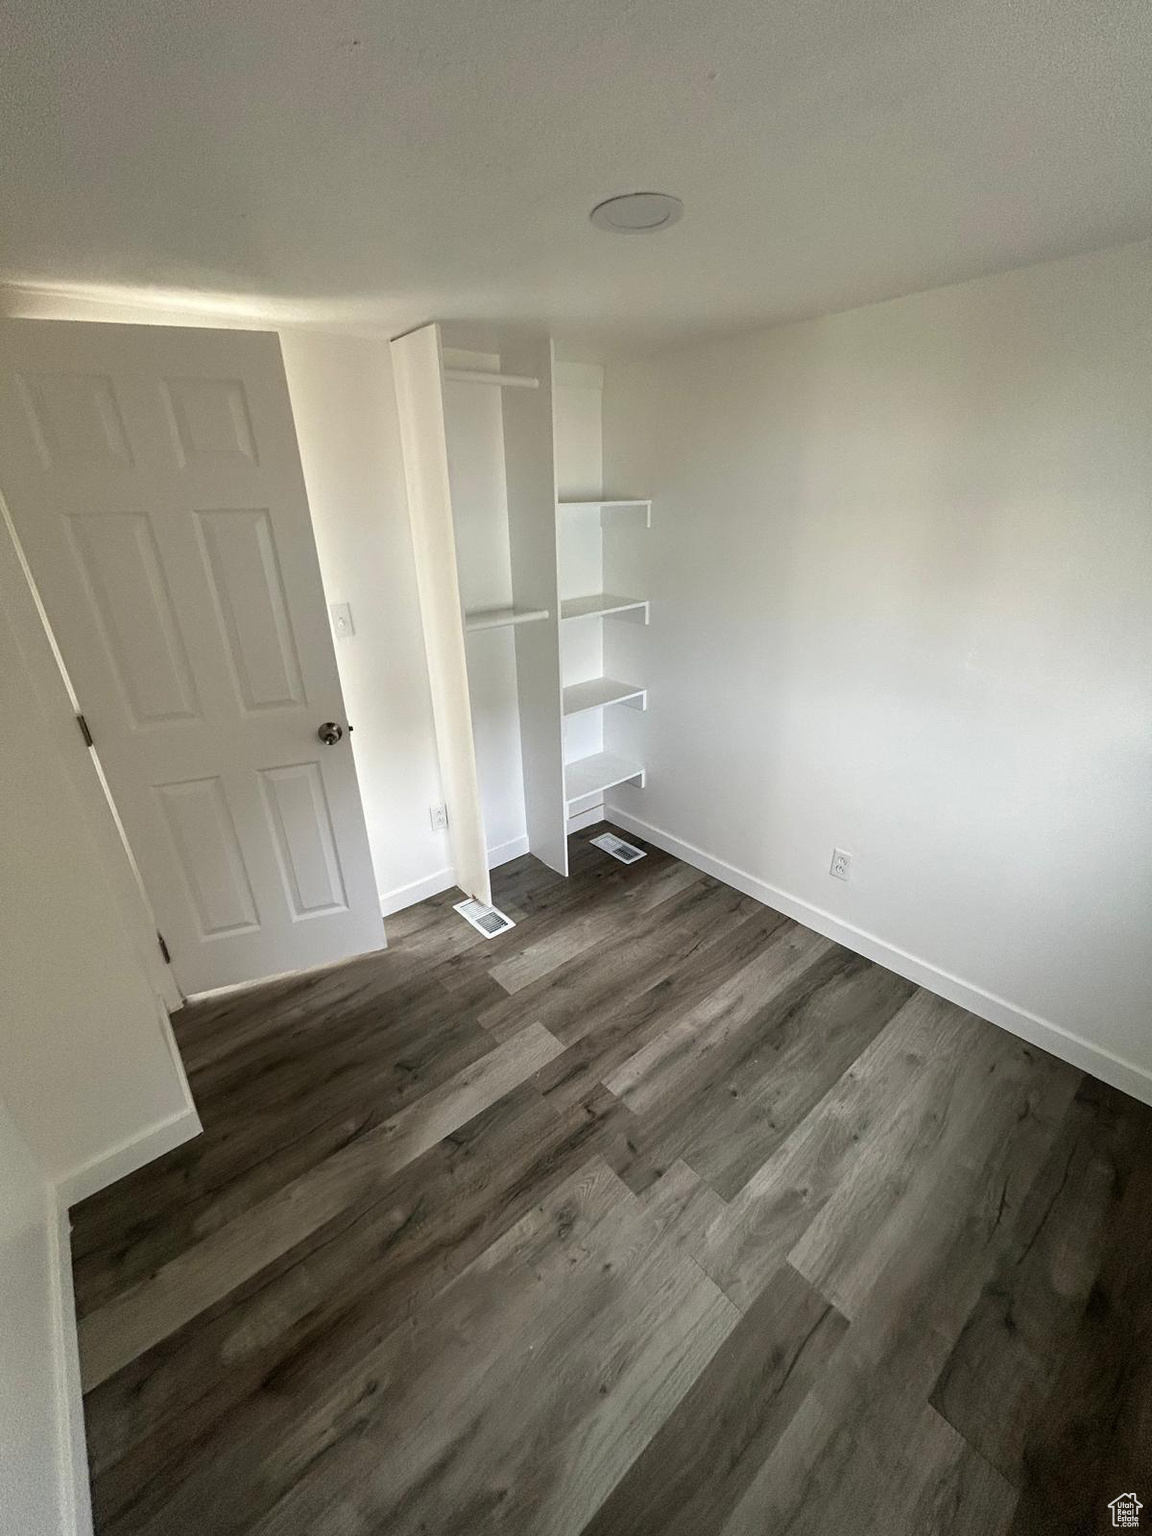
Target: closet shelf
(619, 504)
(499, 618)
(604, 603)
(599, 691)
(603, 770)
(504, 380)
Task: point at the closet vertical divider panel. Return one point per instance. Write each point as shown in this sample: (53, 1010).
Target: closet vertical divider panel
(418, 367)
(530, 470)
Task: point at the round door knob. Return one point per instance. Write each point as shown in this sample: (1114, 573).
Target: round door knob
(330, 733)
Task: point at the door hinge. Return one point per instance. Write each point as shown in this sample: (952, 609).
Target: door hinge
(84, 731)
(164, 949)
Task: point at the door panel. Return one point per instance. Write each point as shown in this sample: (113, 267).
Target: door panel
(120, 565)
(208, 853)
(240, 549)
(74, 419)
(210, 421)
(154, 480)
(298, 810)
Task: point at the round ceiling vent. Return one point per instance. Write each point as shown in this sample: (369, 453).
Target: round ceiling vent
(637, 213)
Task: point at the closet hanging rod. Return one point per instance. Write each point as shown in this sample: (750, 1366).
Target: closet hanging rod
(505, 380)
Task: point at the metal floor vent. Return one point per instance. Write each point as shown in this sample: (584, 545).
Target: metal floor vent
(486, 920)
(627, 853)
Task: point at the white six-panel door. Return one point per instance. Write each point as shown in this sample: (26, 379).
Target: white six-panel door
(154, 480)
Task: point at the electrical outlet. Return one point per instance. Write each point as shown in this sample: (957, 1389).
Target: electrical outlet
(438, 815)
(841, 866)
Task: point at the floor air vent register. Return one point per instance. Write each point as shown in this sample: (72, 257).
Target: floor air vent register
(485, 919)
(627, 853)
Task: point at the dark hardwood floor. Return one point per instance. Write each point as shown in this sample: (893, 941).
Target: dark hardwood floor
(657, 1214)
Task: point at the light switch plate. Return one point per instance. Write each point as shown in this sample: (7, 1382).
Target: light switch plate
(341, 616)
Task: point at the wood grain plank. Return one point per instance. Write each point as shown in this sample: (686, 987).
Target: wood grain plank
(1086, 1444)
(743, 1097)
(997, 1106)
(684, 1208)
(536, 953)
(425, 1271)
(613, 1029)
(163, 1417)
(696, 1468)
(529, 1436)
(902, 1471)
(147, 1312)
(580, 994)
(867, 1107)
(996, 1382)
(219, 1176)
(671, 1063)
(319, 1400)
(807, 1039)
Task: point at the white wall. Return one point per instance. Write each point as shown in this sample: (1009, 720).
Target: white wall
(346, 423)
(39, 1493)
(900, 570)
(87, 1060)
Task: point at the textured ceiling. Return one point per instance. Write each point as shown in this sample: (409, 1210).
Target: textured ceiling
(375, 165)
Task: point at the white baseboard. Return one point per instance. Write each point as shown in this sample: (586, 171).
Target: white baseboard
(128, 1156)
(72, 1451)
(1074, 1049)
(444, 879)
(587, 818)
(417, 890)
(515, 848)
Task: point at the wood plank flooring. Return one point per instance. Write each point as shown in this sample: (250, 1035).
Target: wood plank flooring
(658, 1215)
